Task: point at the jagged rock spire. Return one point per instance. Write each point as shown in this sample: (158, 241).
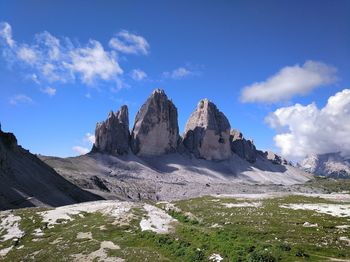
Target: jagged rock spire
(156, 129)
(112, 136)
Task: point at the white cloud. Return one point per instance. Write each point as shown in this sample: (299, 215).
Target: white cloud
(86, 143)
(89, 138)
(128, 43)
(48, 70)
(94, 62)
(20, 99)
(50, 91)
(33, 77)
(178, 73)
(51, 43)
(27, 55)
(138, 74)
(80, 150)
(51, 59)
(6, 33)
(304, 130)
(290, 81)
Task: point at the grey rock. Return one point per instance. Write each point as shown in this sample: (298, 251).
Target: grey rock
(274, 158)
(332, 165)
(112, 136)
(156, 129)
(207, 132)
(242, 147)
(174, 176)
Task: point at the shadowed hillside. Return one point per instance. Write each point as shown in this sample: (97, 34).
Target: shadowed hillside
(26, 181)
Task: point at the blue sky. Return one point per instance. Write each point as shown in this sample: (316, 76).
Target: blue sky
(296, 52)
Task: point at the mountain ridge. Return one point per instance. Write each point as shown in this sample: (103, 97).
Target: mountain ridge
(332, 165)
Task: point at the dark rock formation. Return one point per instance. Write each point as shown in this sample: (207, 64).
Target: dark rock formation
(112, 136)
(207, 132)
(27, 181)
(156, 129)
(242, 147)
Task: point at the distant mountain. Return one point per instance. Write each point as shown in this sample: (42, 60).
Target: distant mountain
(27, 181)
(329, 165)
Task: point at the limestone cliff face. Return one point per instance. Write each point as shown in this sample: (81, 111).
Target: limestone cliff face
(156, 129)
(112, 136)
(242, 147)
(207, 132)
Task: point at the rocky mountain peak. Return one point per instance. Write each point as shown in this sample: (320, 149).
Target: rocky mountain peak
(158, 91)
(156, 129)
(207, 132)
(8, 139)
(330, 165)
(112, 136)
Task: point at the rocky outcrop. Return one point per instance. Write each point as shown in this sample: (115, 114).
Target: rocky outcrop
(242, 147)
(156, 129)
(112, 136)
(207, 132)
(274, 158)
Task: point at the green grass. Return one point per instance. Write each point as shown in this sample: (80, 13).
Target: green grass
(329, 184)
(267, 233)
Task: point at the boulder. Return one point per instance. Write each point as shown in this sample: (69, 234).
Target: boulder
(112, 136)
(207, 132)
(274, 158)
(156, 129)
(242, 147)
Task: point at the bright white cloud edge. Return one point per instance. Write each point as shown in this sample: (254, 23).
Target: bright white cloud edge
(305, 130)
(290, 81)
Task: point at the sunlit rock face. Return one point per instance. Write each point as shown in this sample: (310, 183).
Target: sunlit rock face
(156, 129)
(207, 132)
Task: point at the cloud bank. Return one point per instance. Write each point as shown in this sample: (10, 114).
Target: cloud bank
(290, 81)
(305, 130)
(51, 59)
